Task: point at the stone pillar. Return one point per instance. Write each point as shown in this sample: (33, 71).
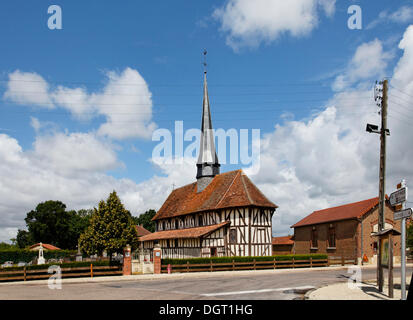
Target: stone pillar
(127, 261)
(157, 259)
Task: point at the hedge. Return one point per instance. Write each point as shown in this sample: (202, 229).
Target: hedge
(65, 265)
(25, 255)
(245, 259)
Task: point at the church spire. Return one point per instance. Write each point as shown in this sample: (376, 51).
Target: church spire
(207, 165)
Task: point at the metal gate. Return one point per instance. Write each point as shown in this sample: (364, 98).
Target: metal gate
(142, 261)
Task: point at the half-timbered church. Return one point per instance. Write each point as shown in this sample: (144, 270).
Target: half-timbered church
(221, 214)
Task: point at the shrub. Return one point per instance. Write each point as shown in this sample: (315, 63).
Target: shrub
(66, 265)
(17, 255)
(245, 259)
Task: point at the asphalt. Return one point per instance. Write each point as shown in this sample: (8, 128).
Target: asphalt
(235, 285)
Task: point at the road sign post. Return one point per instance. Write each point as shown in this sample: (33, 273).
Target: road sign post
(400, 197)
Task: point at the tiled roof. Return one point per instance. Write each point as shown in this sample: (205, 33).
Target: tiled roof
(283, 240)
(141, 231)
(229, 189)
(183, 233)
(347, 211)
(45, 246)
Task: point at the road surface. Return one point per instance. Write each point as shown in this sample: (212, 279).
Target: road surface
(278, 286)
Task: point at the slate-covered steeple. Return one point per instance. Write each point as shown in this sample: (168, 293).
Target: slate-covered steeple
(208, 166)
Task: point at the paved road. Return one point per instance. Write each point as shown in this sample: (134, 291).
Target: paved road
(268, 285)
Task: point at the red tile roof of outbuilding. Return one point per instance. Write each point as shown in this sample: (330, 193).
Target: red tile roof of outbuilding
(183, 233)
(141, 231)
(347, 211)
(283, 240)
(45, 246)
(226, 190)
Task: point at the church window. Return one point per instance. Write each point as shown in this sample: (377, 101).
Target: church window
(233, 236)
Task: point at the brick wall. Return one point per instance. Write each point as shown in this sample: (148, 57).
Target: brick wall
(348, 236)
(346, 239)
(371, 219)
(282, 249)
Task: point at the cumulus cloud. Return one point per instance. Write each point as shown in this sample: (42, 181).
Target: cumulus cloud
(125, 101)
(329, 159)
(369, 62)
(72, 168)
(28, 88)
(249, 23)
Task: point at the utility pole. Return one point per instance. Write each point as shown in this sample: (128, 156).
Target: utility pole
(403, 246)
(382, 184)
(381, 99)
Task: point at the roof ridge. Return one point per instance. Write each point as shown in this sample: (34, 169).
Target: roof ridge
(258, 189)
(229, 187)
(246, 190)
(346, 204)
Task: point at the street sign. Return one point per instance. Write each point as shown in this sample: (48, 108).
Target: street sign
(398, 196)
(402, 214)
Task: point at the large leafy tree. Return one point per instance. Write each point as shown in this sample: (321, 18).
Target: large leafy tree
(111, 228)
(145, 219)
(24, 238)
(51, 223)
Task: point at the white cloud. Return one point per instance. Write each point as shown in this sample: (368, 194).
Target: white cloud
(125, 101)
(28, 88)
(74, 153)
(71, 168)
(369, 62)
(249, 23)
(402, 15)
(330, 160)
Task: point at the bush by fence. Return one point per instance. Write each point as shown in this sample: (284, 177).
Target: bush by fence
(66, 265)
(25, 255)
(288, 257)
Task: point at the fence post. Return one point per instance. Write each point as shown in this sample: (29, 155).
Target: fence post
(328, 261)
(24, 273)
(210, 261)
(187, 266)
(254, 264)
(311, 262)
(342, 260)
(233, 265)
(274, 263)
(293, 263)
(91, 270)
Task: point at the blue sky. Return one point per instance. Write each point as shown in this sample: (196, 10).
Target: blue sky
(263, 77)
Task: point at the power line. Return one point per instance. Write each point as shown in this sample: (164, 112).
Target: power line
(401, 91)
(171, 85)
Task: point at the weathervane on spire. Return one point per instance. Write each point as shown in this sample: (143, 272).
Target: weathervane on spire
(205, 63)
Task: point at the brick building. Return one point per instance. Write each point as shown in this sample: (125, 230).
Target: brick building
(283, 245)
(345, 231)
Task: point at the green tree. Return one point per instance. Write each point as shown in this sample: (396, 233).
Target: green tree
(111, 228)
(24, 239)
(145, 219)
(7, 246)
(51, 223)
